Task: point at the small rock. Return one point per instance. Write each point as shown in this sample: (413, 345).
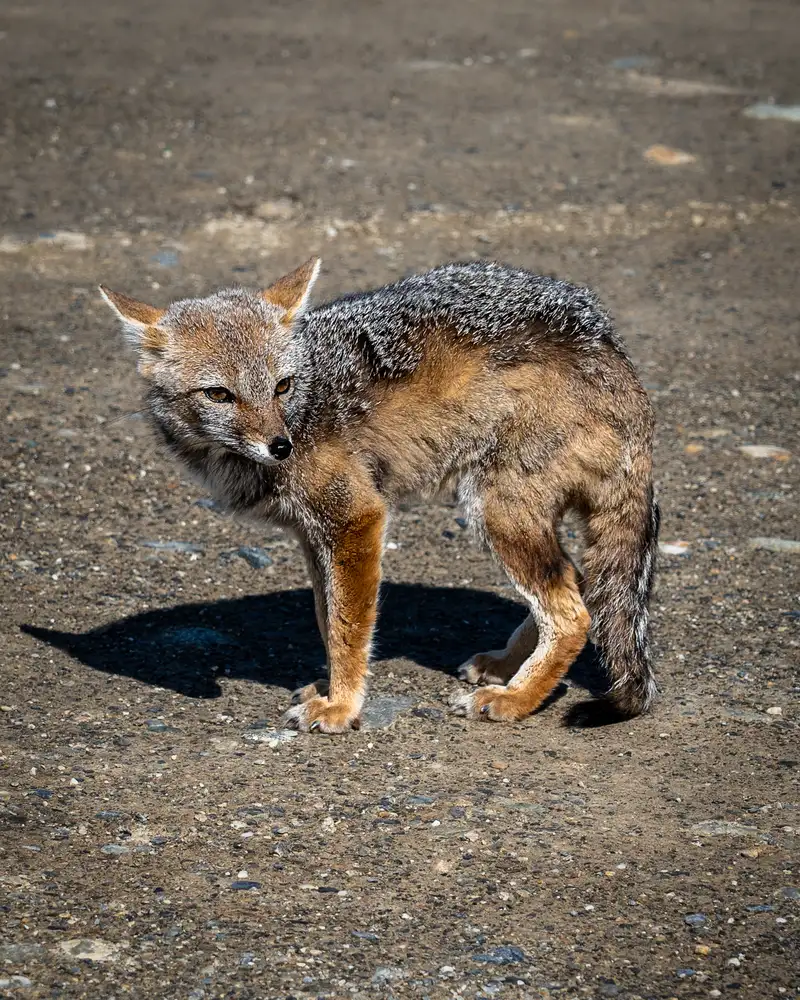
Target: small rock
(381, 712)
(366, 936)
(272, 737)
(781, 112)
(702, 949)
(774, 544)
(256, 557)
(775, 710)
(427, 713)
(43, 793)
(109, 814)
(387, 974)
(695, 919)
(668, 157)
(710, 433)
(504, 955)
(674, 548)
(158, 726)
(633, 62)
(173, 546)
(693, 448)
(274, 210)
(166, 258)
(753, 852)
(761, 908)
(114, 849)
(684, 973)
(23, 951)
(722, 828)
(765, 451)
(790, 892)
(500, 765)
(67, 240)
(420, 800)
(90, 949)
(15, 983)
(243, 884)
(207, 503)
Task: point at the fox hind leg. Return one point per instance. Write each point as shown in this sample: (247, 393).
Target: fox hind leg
(525, 542)
(498, 666)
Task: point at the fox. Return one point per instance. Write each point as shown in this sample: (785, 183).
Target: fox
(507, 387)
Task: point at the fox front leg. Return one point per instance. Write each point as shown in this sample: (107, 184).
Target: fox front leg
(351, 571)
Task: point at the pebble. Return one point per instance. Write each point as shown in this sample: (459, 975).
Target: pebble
(240, 885)
(158, 726)
(172, 546)
(109, 814)
(765, 451)
(632, 62)
(775, 710)
(774, 544)
(272, 737)
(702, 949)
(790, 892)
(277, 209)
(684, 973)
(695, 919)
(500, 765)
(256, 557)
(674, 548)
(387, 974)
(427, 713)
(710, 433)
(167, 258)
(366, 936)
(207, 504)
(90, 949)
(723, 828)
(760, 908)
(381, 712)
(668, 157)
(114, 849)
(24, 951)
(15, 983)
(782, 112)
(504, 955)
(43, 793)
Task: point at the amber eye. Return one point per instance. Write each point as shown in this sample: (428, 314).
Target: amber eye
(218, 394)
(283, 387)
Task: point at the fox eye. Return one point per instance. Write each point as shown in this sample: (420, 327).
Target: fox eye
(283, 387)
(218, 394)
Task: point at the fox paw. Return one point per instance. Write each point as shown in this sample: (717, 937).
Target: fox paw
(495, 703)
(318, 715)
(310, 691)
(485, 668)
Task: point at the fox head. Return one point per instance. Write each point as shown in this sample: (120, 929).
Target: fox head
(227, 371)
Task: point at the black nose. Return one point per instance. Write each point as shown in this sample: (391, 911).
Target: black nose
(280, 448)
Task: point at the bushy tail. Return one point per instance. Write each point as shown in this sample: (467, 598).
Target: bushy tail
(618, 565)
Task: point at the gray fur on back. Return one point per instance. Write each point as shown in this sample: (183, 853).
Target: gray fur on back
(484, 303)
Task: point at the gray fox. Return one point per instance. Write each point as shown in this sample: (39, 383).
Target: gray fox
(510, 387)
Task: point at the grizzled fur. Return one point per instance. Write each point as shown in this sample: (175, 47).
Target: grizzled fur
(511, 387)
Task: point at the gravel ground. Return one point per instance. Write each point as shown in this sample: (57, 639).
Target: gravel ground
(161, 839)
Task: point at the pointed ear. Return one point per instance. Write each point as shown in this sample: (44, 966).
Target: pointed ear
(138, 320)
(292, 291)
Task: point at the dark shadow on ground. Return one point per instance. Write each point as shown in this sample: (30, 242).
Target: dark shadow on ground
(273, 638)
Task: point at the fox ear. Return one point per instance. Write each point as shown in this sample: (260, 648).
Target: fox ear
(138, 320)
(292, 291)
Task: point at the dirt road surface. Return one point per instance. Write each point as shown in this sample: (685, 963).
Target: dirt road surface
(160, 838)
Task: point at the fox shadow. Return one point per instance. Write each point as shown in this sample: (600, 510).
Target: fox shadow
(273, 638)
